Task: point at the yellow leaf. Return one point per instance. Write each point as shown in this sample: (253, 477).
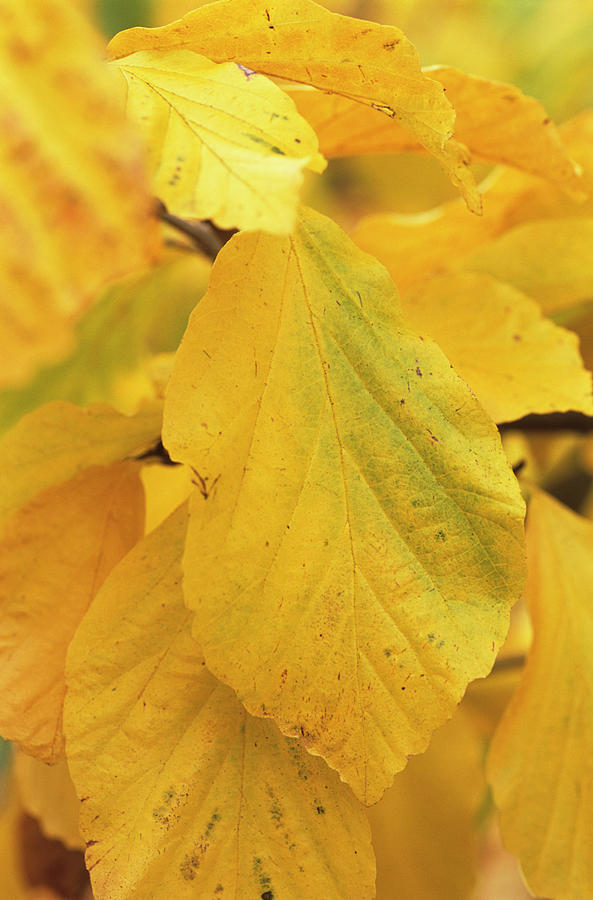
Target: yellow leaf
(13, 877)
(47, 793)
(54, 555)
(59, 440)
(496, 122)
(328, 584)
(540, 764)
(301, 41)
(225, 143)
(185, 794)
(76, 212)
(550, 260)
(515, 360)
(424, 828)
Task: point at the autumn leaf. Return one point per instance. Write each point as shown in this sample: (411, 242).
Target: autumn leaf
(58, 441)
(222, 803)
(55, 553)
(346, 472)
(424, 827)
(132, 319)
(540, 760)
(496, 121)
(301, 41)
(225, 143)
(47, 793)
(550, 260)
(75, 209)
(516, 361)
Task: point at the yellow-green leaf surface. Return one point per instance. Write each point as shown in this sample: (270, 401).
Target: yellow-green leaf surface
(47, 793)
(496, 122)
(134, 318)
(301, 41)
(75, 206)
(59, 440)
(541, 760)
(225, 143)
(186, 795)
(360, 541)
(54, 555)
(515, 360)
(424, 828)
(550, 260)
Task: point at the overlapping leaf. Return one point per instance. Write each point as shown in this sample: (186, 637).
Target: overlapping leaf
(75, 210)
(496, 122)
(225, 143)
(221, 804)
(303, 42)
(361, 539)
(135, 317)
(540, 764)
(54, 554)
(58, 441)
(516, 361)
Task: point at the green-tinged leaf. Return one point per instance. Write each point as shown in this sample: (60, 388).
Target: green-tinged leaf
(361, 538)
(516, 361)
(76, 212)
(541, 761)
(186, 795)
(54, 555)
(140, 315)
(59, 440)
(225, 143)
(550, 260)
(301, 41)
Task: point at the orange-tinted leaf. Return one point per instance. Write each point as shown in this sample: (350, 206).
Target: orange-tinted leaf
(301, 41)
(496, 122)
(186, 796)
(47, 793)
(57, 441)
(75, 209)
(54, 555)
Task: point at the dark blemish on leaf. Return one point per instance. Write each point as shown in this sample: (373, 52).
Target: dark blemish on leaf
(403, 687)
(267, 14)
(440, 535)
(218, 889)
(271, 27)
(430, 637)
(387, 652)
(419, 371)
(284, 676)
(91, 844)
(267, 895)
(440, 644)
(278, 151)
(546, 121)
(416, 502)
(297, 140)
(517, 337)
(390, 45)
(320, 811)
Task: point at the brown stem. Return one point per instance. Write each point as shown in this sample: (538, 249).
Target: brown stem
(205, 236)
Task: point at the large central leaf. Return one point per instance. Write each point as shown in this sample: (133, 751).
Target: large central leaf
(362, 538)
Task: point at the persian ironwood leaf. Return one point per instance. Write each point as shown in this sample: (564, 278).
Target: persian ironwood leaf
(225, 143)
(515, 360)
(361, 538)
(186, 795)
(75, 207)
(55, 552)
(301, 41)
(496, 122)
(59, 440)
(540, 764)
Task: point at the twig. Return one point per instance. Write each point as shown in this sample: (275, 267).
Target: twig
(206, 237)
